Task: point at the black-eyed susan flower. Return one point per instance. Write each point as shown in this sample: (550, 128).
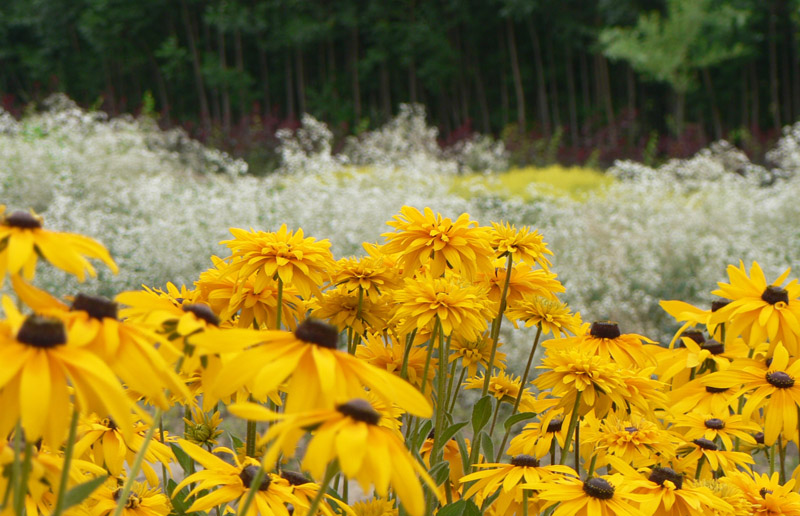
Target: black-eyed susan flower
(226, 483)
(306, 490)
(694, 396)
(538, 438)
(724, 425)
(40, 364)
(552, 316)
(460, 307)
(504, 387)
(522, 244)
(759, 311)
(473, 353)
(438, 242)
(289, 256)
(375, 507)
(604, 339)
(698, 451)
(692, 316)
(524, 281)
(103, 442)
(670, 494)
(770, 386)
(510, 480)
(607, 495)
(319, 376)
(765, 494)
(386, 352)
(631, 437)
(350, 434)
(23, 240)
(142, 501)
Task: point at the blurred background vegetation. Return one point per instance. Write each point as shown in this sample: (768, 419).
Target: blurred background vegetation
(572, 81)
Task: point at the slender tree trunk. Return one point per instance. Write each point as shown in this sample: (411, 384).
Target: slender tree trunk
(518, 90)
(541, 84)
(355, 83)
(241, 93)
(712, 95)
(756, 103)
(331, 51)
(110, 93)
(504, 100)
(680, 109)
(226, 97)
(774, 100)
(631, 84)
(412, 81)
(554, 97)
(745, 96)
(572, 105)
(386, 92)
(161, 86)
(604, 90)
(289, 85)
(483, 103)
(795, 67)
(786, 81)
(198, 74)
(263, 66)
(216, 105)
(301, 80)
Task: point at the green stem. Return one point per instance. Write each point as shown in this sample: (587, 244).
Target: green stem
(279, 304)
(428, 356)
(323, 487)
(250, 447)
(571, 429)
(782, 457)
(496, 325)
(16, 471)
(494, 420)
(62, 486)
(524, 502)
(441, 399)
(19, 500)
(700, 463)
(772, 460)
(251, 492)
(523, 381)
(591, 467)
(136, 467)
(578, 449)
(450, 378)
(457, 389)
(163, 465)
(406, 353)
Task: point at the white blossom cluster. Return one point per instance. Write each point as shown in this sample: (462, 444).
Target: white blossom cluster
(665, 233)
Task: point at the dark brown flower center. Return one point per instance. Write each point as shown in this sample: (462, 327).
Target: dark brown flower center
(660, 475)
(780, 380)
(705, 444)
(294, 478)
(22, 219)
(719, 303)
(360, 410)
(318, 332)
(604, 330)
(42, 332)
(526, 461)
(715, 423)
(109, 423)
(555, 425)
(202, 311)
(714, 347)
(774, 294)
(598, 488)
(133, 499)
(249, 473)
(695, 335)
(97, 307)
(759, 437)
(715, 390)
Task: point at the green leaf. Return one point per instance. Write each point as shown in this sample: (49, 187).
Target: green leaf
(516, 418)
(179, 502)
(440, 472)
(488, 446)
(184, 460)
(422, 434)
(481, 414)
(450, 432)
(453, 509)
(82, 491)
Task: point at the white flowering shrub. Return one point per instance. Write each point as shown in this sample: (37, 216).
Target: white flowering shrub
(151, 198)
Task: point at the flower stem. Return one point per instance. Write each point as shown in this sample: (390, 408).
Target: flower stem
(592, 466)
(494, 419)
(406, 353)
(428, 356)
(524, 502)
(571, 429)
(441, 398)
(279, 305)
(24, 472)
(329, 473)
(524, 380)
(496, 325)
(700, 463)
(62, 486)
(782, 457)
(457, 389)
(136, 467)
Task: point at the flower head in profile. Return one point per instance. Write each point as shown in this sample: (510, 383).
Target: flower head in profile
(504, 387)
(716, 456)
(459, 307)
(375, 507)
(552, 316)
(142, 501)
(345, 309)
(604, 339)
(670, 494)
(286, 255)
(607, 495)
(23, 240)
(759, 311)
(439, 242)
(723, 425)
(765, 494)
(631, 437)
(537, 438)
(351, 434)
(525, 281)
(522, 244)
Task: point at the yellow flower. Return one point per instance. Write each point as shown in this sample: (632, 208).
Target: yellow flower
(632, 438)
(460, 307)
(142, 501)
(765, 494)
(439, 242)
(694, 396)
(228, 482)
(604, 339)
(202, 429)
(537, 438)
(710, 426)
(23, 240)
(375, 507)
(521, 244)
(476, 352)
(510, 480)
(552, 316)
(370, 274)
(319, 376)
(504, 387)
(40, 363)
(702, 448)
(452, 455)
(342, 309)
(669, 494)
(296, 260)
(607, 495)
(388, 355)
(759, 311)
(350, 433)
(773, 388)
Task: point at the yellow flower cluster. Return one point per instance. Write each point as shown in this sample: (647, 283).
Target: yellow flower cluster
(386, 371)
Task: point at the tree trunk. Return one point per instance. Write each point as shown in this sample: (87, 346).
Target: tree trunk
(755, 118)
(680, 109)
(226, 97)
(355, 83)
(205, 116)
(630, 79)
(572, 105)
(263, 66)
(774, 100)
(241, 94)
(745, 96)
(161, 85)
(795, 66)
(786, 82)
(289, 85)
(412, 81)
(483, 103)
(551, 64)
(331, 51)
(216, 106)
(541, 87)
(604, 90)
(712, 95)
(301, 81)
(518, 90)
(504, 100)
(386, 92)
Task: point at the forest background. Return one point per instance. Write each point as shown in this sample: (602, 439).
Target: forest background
(574, 81)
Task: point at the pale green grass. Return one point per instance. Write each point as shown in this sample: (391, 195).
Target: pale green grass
(532, 182)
